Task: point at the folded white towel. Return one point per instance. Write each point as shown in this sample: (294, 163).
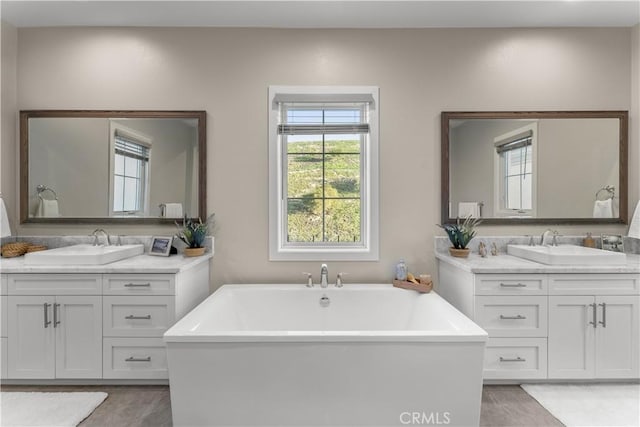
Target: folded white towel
(634, 228)
(5, 228)
(47, 209)
(471, 209)
(173, 210)
(603, 209)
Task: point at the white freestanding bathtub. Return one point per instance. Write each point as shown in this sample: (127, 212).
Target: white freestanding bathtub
(288, 355)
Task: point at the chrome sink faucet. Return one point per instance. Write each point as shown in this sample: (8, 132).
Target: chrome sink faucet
(544, 234)
(97, 232)
(324, 276)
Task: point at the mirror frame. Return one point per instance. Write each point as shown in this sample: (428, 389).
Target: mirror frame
(25, 115)
(622, 116)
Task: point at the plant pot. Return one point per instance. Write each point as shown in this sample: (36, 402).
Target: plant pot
(459, 253)
(194, 251)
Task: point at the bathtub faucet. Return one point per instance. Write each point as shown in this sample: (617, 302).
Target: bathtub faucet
(324, 276)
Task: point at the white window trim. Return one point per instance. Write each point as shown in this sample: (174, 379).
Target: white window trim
(369, 249)
(143, 138)
(497, 180)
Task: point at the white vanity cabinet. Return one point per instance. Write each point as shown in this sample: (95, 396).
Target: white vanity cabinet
(547, 325)
(3, 326)
(512, 308)
(593, 334)
(52, 334)
(95, 323)
(138, 309)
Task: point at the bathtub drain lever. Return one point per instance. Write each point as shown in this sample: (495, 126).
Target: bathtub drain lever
(325, 301)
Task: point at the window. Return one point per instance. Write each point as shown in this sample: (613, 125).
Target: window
(323, 173)
(515, 156)
(130, 168)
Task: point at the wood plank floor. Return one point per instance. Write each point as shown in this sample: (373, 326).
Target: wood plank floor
(150, 406)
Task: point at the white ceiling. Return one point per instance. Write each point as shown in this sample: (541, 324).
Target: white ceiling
(324, 14)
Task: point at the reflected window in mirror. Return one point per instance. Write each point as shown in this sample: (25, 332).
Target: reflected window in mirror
(515, 163)
(129, 183)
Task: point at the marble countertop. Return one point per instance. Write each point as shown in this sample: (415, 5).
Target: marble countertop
(504, 263)
(138, 264)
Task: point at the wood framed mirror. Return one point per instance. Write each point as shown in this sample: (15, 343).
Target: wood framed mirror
(535, 167)
(100, 166)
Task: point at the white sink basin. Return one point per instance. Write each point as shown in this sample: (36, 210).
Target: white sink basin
(83, 255)
(567, 255)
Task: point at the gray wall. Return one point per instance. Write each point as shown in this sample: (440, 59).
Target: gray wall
(227, 71)
(70, 156)
(566, 186)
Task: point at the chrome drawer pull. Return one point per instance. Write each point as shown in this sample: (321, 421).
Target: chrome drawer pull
(47, 322)
(603, 322)
(138, 359)
(518, 317)
(593, 316)
(56, 322)
(132, 317)
(513, 285)
(517, 359)
(137, 285)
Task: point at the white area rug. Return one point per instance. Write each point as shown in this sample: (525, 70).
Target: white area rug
(590, 404)
(22, 409)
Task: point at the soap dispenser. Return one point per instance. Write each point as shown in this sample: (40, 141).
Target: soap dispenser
(401, 270)
(589, 241)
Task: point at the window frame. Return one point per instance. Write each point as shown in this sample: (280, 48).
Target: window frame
(279, 248)
(141, 139)
(499, 177)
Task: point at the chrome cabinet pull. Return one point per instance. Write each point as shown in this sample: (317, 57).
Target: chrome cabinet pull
(137, 285)
(132, 317)
(513, 285)
(603, 322)
(517, 359)
(138, 359)
(518, 317)
(593, 316)
(47, 322)
(56, 322)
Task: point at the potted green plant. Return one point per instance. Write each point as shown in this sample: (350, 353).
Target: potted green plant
(460, 235)
(193, 233)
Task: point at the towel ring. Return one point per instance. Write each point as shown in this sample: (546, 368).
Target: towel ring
(42, 188)
(611, 192)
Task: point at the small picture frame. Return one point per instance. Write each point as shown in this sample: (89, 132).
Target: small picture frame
(160, 245)
(612, 242)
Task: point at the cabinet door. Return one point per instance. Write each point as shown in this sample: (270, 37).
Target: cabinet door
(31, 339)
(617, 336)
(571, 336)
(78, 326)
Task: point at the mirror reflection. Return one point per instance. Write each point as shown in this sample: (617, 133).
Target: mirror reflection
(115, 167)
(535, 167)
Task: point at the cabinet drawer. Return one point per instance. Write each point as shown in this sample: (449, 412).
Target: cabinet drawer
(55, 284)
(511, 284)
(3, 316)
(137, 316)
(134, 358)
(512, 316)
(3, 284)
(3, 358)
(594, 284)
(139, 284)
(515, 358)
